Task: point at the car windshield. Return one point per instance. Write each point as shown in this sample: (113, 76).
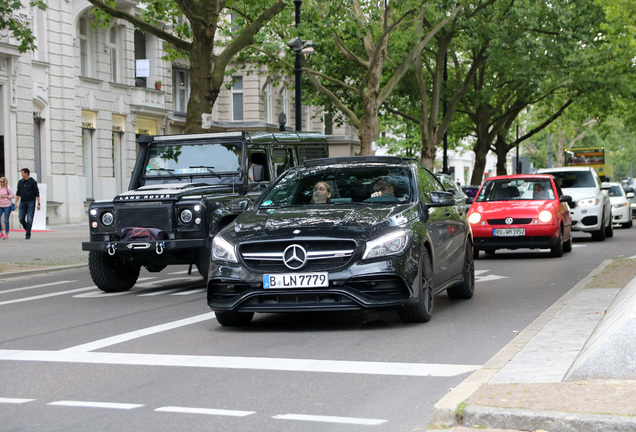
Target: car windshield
(183, 162)
(341, 184)
(616, 191)
(574, 179)
(516, 189)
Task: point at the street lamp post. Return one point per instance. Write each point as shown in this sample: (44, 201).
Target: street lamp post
(298, 70)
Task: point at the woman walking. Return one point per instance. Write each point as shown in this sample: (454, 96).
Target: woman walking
(6, 195)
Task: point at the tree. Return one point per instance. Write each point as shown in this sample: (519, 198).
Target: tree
(16, 23)
(198, 41)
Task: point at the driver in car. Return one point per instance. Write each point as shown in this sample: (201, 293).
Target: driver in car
(539, 192)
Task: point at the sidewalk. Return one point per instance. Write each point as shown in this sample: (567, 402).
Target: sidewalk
(532, 383)
(57, 246)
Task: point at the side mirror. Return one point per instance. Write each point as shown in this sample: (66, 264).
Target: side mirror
(568, 199)
(441, 199)
(422, 211)
(605, 186)
(630, 195)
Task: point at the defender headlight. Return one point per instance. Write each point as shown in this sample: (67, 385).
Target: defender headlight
(474, 218)
(545, 216)
(390, 244)
(222, 250)
(107, 219)
(186, 216)
(588, 202)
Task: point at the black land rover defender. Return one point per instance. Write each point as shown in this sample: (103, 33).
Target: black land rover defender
(183, 190)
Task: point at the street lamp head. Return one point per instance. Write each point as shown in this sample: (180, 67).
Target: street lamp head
(296, 45)
(308, 47)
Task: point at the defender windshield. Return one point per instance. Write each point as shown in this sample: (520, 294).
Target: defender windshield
(341, 184)
(206, 162)
(516, 189)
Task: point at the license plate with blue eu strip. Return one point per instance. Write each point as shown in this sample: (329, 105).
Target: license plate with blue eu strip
(296, 280)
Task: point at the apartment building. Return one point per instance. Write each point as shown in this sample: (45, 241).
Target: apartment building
(71, 110)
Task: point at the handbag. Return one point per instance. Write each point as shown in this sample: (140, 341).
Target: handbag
(12, 206)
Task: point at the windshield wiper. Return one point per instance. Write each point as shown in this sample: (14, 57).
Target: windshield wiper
(168, 170)
(209, 168)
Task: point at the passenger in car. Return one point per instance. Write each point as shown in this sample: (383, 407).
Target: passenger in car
(382, 186)
(539, 192)
(322, 193)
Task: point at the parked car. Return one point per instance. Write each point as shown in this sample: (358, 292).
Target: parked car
(621, 213)
(461, 199)
(470, 190)
(591, 210)
(389, 236)
(183, 189)
(521, 211)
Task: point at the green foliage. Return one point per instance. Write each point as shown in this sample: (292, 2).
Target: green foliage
(17, 24)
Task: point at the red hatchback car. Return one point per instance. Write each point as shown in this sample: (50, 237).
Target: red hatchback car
(521, 211)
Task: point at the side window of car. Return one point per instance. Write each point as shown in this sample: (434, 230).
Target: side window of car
(558, 189)
(282, 159)
(428, 183)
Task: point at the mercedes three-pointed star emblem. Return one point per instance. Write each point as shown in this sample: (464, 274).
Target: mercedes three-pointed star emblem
(295, 257)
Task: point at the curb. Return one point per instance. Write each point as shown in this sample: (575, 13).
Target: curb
(447, 410)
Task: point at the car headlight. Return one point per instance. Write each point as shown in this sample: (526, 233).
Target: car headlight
(390, 244)
(619, 205)
(545, 216)
(474, 218)
(107, 219)
(186, 216)
(588, 202)
(222, 250)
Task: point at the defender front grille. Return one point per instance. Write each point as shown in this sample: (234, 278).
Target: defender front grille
(145, 217)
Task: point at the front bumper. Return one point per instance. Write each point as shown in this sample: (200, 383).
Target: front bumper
(114, 247)
(587, 218)
(621, 214)
(382, 283)
(537, 237)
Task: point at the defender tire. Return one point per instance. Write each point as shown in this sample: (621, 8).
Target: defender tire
(423, 310)
(466, 289)
(110, 274)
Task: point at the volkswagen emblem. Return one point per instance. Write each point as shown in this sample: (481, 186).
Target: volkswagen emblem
(508, 221)
(295, 257)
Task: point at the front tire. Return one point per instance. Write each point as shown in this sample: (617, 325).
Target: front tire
(203, 263)
(423, 310)
(234, 319)
(110, 274)
(567, 246)
(557, 251)
(609, 230)
(466, 289)
(600, 234)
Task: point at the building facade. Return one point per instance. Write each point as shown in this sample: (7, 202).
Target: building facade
(71, 110)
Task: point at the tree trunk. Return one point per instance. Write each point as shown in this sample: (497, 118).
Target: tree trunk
(502, 151)
(202, 100)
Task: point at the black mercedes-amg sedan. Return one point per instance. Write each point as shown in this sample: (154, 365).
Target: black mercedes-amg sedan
(344, 234)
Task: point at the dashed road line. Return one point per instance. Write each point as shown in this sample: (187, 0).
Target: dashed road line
(14, 400)
(205, 411)
(38, 297)
(87, 404)
(46, 285)
(331, 419)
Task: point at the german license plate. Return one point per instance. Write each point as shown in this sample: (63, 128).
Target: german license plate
(508, 232)
(295, 280)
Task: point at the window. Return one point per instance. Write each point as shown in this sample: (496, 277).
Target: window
(328, 124)
(113, 48)
(117, 160)
(268, 105)
(181, 86)
(86, 40)
(140, 54)
(237, 99)
(87, 160)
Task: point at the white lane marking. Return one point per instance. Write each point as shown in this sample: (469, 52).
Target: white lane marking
(157, 293)
(113, 340)
(26, 299)
(14, 400)
(206, 411)
(489, 278)
(252, 363)
(87, 404)
(36, 286)
(161, 282)
(478, 272)
(330, 419)
(182, 272)
(101, 294)
(189, 292)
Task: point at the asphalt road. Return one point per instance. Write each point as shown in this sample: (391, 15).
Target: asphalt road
(73, 358)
